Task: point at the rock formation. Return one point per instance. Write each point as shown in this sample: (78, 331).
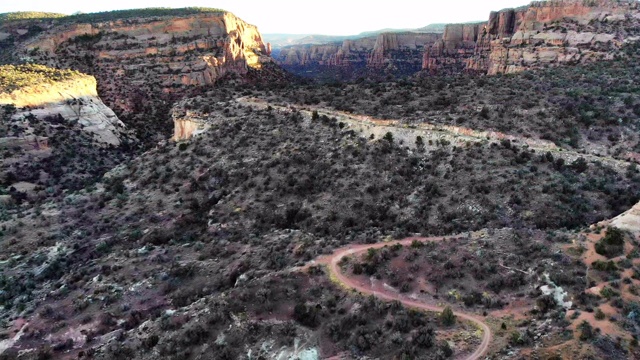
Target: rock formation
(74, 99)
(458, 42)
(221, 43)
(145, 63)
(401, 52)
(545, 33)
(187, 126)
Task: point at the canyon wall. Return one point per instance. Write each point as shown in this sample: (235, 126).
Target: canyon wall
(541, 34)
(74, 100)
(545, 33)
(192, 50)
(145, 64)
(457, 43)
(396, 52)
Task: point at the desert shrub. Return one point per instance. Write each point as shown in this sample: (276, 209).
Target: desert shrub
(520, 338)
(608, 292)
(445, 349)
(612, 244)
(586, 331)
(545, 303)
(604, 265)
(424, 337)
(306, 315)
(447, 317)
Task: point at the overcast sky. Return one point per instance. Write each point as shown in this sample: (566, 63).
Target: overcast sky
(332, 17)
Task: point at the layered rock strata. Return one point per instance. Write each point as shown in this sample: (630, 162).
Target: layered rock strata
(74, 100)
(402, 51)
(545, 33)
(145, 64)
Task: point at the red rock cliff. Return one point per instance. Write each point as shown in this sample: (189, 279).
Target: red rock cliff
(401, 51)
(223, 42)
(545, 33)
(148, 62)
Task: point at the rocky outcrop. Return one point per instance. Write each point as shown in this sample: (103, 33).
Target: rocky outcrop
(402, 51)
(186, 127)
(190, 120)
(145, 64)
(545, 33)
(194, 50)
(629, 220)
(458, 42)
(74, 100)
(400, 47)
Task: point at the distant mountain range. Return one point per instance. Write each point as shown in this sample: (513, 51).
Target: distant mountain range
(281, 40)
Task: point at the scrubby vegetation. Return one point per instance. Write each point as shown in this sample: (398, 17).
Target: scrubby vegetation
(76, 159)
(199, 247)
(612, 244)
(587, 107)
(106, 15)
(457, 269)
(28, 15)
(21, 76)
(266, 189)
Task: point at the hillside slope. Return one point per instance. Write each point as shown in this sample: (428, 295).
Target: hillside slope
(56, 134)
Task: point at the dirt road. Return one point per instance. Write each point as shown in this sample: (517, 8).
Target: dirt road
(333, 260)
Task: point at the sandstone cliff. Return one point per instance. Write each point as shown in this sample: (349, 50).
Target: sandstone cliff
(73, 99)
(397, 52)
(145, 63)
(56, 133)
(221, 42)
(458, 42)
(545, 33)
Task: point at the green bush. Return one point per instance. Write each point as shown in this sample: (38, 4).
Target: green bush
(306, 315)
(604, 265)
(586, 331)
(447, 317)
(612, 244)
(608, 292)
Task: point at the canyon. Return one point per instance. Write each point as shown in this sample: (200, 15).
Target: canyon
(144, 63)
(167, 191)
(544, 33)
(396, 53)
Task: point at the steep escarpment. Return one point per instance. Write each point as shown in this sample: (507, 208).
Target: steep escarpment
(55, 133)
(223, 42)
(145, 63)
(392, 53)
(32, 93)
(545, 33)
(458, 42)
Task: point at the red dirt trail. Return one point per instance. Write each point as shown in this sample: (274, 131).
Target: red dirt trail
(333, 260)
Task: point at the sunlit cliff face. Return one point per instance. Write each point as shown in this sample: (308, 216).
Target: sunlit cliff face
(197, 49)
(74, 99)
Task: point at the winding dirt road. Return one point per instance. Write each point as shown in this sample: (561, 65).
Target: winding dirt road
(333, 260)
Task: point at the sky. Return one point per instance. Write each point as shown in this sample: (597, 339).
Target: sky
(330, 17)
